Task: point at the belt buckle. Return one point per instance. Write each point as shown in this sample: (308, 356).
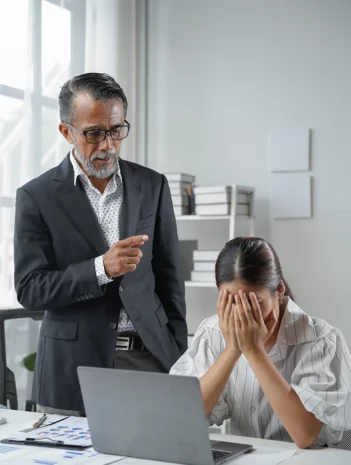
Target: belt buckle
(125, 343)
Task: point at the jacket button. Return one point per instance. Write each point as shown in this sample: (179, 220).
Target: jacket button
(78, 299)
(113, 325)
(90, 295)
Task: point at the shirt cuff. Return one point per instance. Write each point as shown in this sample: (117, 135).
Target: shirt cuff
(100, 272)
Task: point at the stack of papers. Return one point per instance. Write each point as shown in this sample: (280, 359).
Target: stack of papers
(72, 431)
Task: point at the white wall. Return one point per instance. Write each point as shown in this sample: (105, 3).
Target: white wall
(221, 75)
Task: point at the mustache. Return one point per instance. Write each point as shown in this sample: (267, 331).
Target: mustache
(104, 156)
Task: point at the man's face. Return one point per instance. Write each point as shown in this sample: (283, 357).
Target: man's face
(99, 160)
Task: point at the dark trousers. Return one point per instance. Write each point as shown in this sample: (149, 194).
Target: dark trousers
(137, 361)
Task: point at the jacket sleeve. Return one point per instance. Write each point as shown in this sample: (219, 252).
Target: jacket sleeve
(169, 283)
(38, 282)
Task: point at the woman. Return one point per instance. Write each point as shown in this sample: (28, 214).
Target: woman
(263, 363)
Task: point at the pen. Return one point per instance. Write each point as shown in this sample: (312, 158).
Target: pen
(40, 421)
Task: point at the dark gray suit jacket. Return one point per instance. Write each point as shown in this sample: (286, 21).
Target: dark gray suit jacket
(57, 238)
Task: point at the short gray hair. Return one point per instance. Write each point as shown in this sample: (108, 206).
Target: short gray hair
(100, 86)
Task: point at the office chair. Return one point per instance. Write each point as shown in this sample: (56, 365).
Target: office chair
(19, 330)
(345, 442)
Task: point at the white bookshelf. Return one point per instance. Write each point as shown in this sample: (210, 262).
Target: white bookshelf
(236, 191)
(211, 233)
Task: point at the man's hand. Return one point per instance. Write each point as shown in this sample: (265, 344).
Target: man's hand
(124, 256)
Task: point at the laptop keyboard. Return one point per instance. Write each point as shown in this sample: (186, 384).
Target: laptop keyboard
(219, 454)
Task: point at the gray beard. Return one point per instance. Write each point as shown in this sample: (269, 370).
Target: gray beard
(97, 173)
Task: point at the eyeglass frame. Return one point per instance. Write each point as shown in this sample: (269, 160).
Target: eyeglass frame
(106, 131)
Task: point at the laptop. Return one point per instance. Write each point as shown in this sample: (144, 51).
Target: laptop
(151, 416)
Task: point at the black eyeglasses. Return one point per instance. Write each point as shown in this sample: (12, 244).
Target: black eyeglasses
(95, 136)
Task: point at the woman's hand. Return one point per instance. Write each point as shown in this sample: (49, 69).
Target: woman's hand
(225, 310)
(251, 331)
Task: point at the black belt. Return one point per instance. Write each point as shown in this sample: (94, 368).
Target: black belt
(129, 343)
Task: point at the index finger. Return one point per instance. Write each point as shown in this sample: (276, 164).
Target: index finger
(246, 305)
(221, 297)
(222, 302)
(133, 241)
(256, 308)
(219, 300)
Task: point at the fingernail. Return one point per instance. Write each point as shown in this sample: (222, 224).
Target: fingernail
(144, 238)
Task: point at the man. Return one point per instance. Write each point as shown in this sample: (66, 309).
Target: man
(96, 246)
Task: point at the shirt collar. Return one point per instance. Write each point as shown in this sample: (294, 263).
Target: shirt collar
(77, 171)
(296, 326)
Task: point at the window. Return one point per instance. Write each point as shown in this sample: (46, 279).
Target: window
(47, 49)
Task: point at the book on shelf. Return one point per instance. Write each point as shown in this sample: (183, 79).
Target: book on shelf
(208, 199)
(180, 177)
(220, 197)
(215, 209)
(243, 209)
(205, 255)
(204, 266)
(179, 190)
(180, 210)
(220, 191)
(221, 209)
(212, 189)
(179, 185)
(203, 276)
(180, 200)
(242, 198)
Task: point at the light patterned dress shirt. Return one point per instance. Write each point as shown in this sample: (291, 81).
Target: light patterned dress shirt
(109, 211)
(309, 353)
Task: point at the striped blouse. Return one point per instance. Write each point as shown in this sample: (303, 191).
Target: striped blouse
(309, 353)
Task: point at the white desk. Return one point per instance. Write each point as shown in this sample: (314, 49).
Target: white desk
(23, 420)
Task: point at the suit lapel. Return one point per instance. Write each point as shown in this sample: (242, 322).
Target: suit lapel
(131, 198)
(75, 203)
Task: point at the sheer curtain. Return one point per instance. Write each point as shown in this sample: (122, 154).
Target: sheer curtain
(55, 40)
(47, 48)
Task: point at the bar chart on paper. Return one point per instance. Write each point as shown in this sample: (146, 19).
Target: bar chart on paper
(71, 431)
(67, 434)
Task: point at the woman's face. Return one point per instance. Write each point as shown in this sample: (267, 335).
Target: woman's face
(268, 302)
